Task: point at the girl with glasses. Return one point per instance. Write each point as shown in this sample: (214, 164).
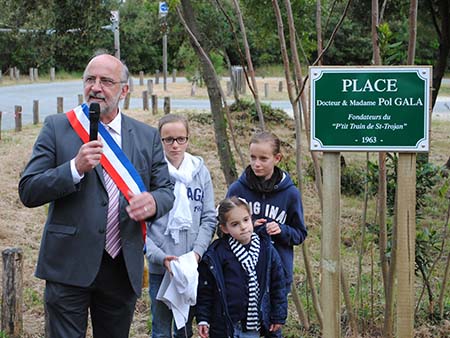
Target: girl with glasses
(187, 228)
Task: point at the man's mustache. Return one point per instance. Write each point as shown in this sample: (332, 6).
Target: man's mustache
(96, 96)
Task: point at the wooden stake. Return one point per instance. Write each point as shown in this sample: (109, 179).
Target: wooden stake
(150, 86)
(12, 291)
(35, 111)
(406, 227)
(154, 104)
(174, 75)
(52, 74)
(126, 102)
(130, 85)
(331, 238)
(18, 117)
(145, 100)
(166, 105)
(59, 105)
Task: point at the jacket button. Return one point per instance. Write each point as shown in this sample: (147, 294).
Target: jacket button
(101, 230)
(104, 203)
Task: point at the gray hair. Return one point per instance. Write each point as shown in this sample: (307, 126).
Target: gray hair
(125, 73)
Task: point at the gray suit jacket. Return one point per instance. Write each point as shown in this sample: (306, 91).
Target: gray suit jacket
(73, 239)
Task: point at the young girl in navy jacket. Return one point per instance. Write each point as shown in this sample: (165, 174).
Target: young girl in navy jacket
(241, 289)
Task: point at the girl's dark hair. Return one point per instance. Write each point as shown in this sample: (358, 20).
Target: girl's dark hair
(267, 136)
(228, 204)
(170, 118)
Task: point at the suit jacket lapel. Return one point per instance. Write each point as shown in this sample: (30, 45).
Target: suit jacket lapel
(99, 172)
(128, 147)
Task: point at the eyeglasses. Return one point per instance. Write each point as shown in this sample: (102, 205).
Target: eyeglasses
(170, 140)
(104, 81)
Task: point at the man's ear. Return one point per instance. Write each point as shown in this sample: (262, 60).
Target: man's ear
(124, 91)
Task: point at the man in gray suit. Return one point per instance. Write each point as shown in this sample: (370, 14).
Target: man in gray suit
(80, 272)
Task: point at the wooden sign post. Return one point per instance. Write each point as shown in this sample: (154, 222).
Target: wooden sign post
(379, 109)
(406, 243)
(330, 253)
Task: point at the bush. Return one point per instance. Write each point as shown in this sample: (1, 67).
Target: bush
(353, 178)
(269, 113)
(427, 176)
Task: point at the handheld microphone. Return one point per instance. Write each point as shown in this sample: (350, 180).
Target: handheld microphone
(94, 116)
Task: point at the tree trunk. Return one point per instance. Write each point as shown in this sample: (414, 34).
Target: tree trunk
(309, 275)
(303, 100)
(443, 286)
(297, 116)
(444, 48)
(250, 71)
(382, 194)
(299, 307)
(187, 16)
(319, 30)
(375, 23)
(389, 306)
(292, 98)
(348, 304)
(358, 298)
(381, 214)
(412, 31)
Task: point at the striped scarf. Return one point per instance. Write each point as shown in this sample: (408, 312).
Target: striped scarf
(248, 260)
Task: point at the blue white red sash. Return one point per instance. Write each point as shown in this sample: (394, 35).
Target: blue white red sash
(113, 160)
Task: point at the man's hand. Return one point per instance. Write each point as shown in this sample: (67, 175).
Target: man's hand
(141, 206)
(88, 156)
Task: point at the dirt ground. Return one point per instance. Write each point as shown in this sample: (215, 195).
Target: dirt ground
(21, 227)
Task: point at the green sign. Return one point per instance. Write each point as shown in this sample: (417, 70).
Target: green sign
(370, 108)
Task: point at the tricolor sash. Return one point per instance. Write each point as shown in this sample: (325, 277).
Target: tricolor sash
(113, 159)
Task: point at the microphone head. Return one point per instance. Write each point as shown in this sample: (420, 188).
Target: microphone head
(94, 117)
(94, 111)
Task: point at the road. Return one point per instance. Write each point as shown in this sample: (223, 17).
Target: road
(47, 93)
